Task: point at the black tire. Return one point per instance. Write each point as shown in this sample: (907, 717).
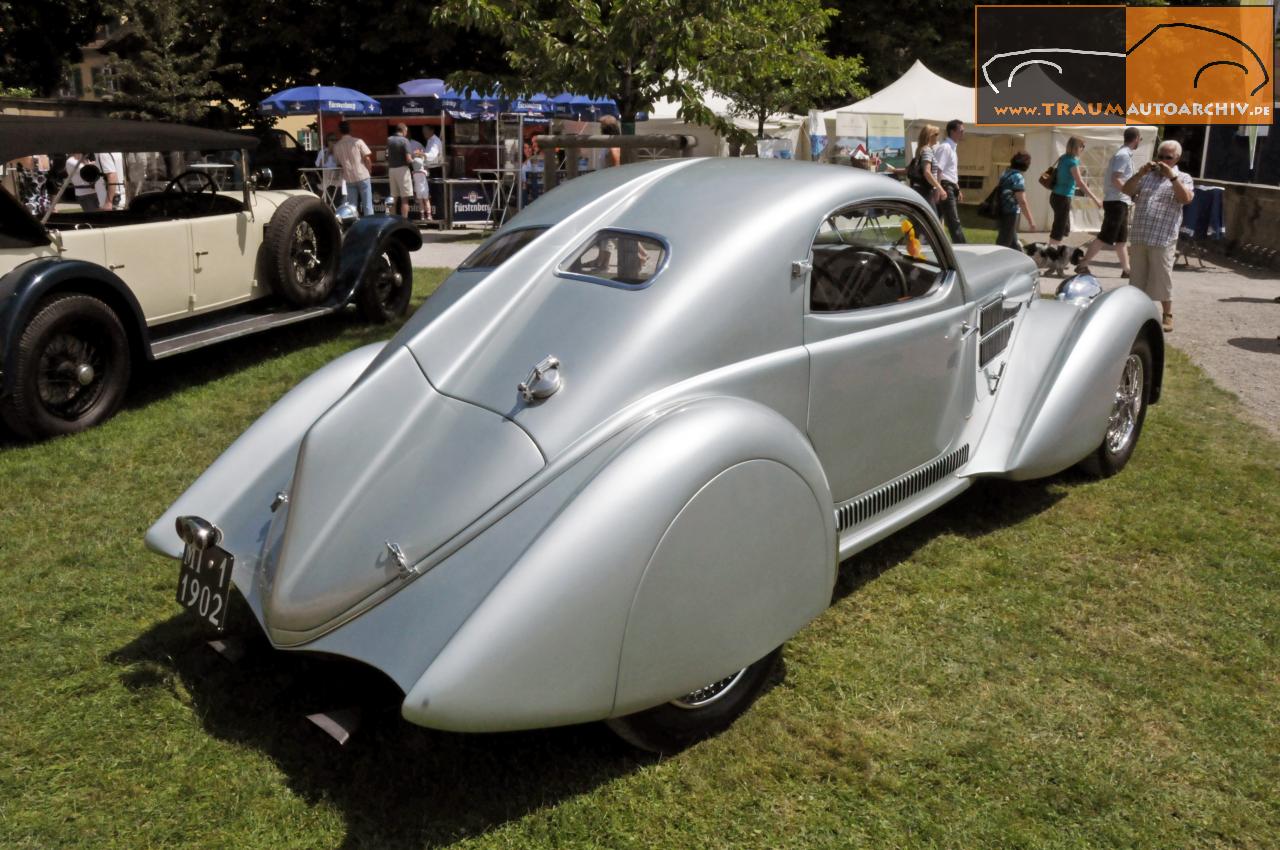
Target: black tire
(301, 248)
(673, 726)
(71, 370)
(387, 284)
(1124, 425)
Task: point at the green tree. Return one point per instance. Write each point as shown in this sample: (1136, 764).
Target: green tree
(635, 52)
(168, 72)
(773, 60)
(38, 40)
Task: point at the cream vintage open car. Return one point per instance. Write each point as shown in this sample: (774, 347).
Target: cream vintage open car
(86, 295)
(612, 464)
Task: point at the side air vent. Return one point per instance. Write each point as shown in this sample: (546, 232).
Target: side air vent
(995, 314)
(868, 505)
(996, 328)
(994, 343)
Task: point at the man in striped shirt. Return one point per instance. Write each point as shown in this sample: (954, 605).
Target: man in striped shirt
(1159, 191)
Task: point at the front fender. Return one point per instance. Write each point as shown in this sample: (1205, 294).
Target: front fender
(364, 241)
(1058, 390)
(22, 289)
(705, 541)
(236, 490)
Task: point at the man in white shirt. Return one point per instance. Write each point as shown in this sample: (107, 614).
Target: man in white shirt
(85, 193)
(435, 148)
(946, 159)
(110, 189)
(1114, 234)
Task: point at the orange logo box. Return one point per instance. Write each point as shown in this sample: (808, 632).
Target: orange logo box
(1188, 65)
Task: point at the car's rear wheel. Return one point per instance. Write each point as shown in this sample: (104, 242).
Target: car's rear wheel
(1128, 412)
(302, 244)
(673, 726)
(71, 370)
(387, 284)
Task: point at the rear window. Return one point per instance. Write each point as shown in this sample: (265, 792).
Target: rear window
(501, 248)
(618, 258)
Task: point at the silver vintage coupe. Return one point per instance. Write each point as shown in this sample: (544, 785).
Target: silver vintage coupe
(612, 465)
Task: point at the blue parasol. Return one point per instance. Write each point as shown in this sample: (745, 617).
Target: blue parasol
(581, 107)
(303, 100)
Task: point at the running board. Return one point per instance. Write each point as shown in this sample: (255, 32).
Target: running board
(241, 325)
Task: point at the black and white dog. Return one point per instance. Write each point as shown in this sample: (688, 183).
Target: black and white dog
(1051, 258)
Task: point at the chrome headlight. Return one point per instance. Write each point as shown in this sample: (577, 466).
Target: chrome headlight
(347, 214)
(1079, 289)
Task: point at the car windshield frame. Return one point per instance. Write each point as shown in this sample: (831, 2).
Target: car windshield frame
(490, 243)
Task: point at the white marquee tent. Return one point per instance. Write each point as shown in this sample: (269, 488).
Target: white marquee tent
(663, 118)
(922, 97)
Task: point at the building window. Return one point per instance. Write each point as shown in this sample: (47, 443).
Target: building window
(105, 83)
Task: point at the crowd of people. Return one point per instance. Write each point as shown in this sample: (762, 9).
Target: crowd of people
(1141, 208)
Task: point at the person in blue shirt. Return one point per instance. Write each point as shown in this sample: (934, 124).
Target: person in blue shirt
(1013, 200)
(1067, 181)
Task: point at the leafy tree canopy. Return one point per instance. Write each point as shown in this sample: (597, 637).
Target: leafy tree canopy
(773, 60)
(38, 39)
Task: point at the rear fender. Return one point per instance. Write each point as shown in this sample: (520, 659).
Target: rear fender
(365, 240)
(1058, 388)
(22, 290)
(705, 541)
(235, 492)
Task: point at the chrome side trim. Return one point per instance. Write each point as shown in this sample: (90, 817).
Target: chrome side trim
(874, 502)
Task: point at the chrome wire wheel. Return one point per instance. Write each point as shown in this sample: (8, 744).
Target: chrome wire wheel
(1128, 405)
(70, 375)
(707, 694)
(307, 268)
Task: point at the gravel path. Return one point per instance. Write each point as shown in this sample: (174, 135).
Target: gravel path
(1227, 320)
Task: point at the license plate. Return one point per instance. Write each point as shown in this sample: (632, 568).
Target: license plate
(204, 583)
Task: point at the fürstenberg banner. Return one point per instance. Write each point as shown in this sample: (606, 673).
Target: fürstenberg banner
(1116, 65)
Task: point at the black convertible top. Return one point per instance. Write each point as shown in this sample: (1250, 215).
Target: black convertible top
(23, 135)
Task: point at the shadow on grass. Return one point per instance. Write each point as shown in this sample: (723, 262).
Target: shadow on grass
(990, 504)
(395, 784)
(164, 378)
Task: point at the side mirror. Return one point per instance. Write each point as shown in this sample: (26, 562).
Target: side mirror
(261, 178)
(90, 173)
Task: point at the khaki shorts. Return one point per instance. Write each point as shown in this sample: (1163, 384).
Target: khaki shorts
(401, 182)
(1151, 269)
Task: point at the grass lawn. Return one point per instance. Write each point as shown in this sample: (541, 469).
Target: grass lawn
(1063, 663)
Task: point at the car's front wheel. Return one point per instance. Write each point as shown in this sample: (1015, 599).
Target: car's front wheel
(71, 369)
(1128, 412)
(673, 726)
(387, 285)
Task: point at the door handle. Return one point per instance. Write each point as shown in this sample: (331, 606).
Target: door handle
(967, 330)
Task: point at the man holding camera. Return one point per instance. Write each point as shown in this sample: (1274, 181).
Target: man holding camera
(1159, 191)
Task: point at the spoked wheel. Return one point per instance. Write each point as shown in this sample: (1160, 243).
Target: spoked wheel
(387, 285)
(302, 243)
(1128, 411)
(71, 370)
(673, 726)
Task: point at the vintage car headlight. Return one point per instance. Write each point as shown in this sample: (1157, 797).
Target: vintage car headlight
(1079, 289)
(347, 214)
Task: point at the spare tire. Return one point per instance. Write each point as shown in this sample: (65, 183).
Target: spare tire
(301, 248)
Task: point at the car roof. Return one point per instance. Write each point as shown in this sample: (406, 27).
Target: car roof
(22, 135)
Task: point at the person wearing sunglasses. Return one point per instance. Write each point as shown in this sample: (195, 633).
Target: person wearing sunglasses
(1159, 191)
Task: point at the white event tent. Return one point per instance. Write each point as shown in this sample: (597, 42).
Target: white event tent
(922, 97)
(663, 118)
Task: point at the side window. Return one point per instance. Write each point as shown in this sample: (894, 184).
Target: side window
(618, 257)
(869, 256)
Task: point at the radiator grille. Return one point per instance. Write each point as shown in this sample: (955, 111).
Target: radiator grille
(868, 505)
